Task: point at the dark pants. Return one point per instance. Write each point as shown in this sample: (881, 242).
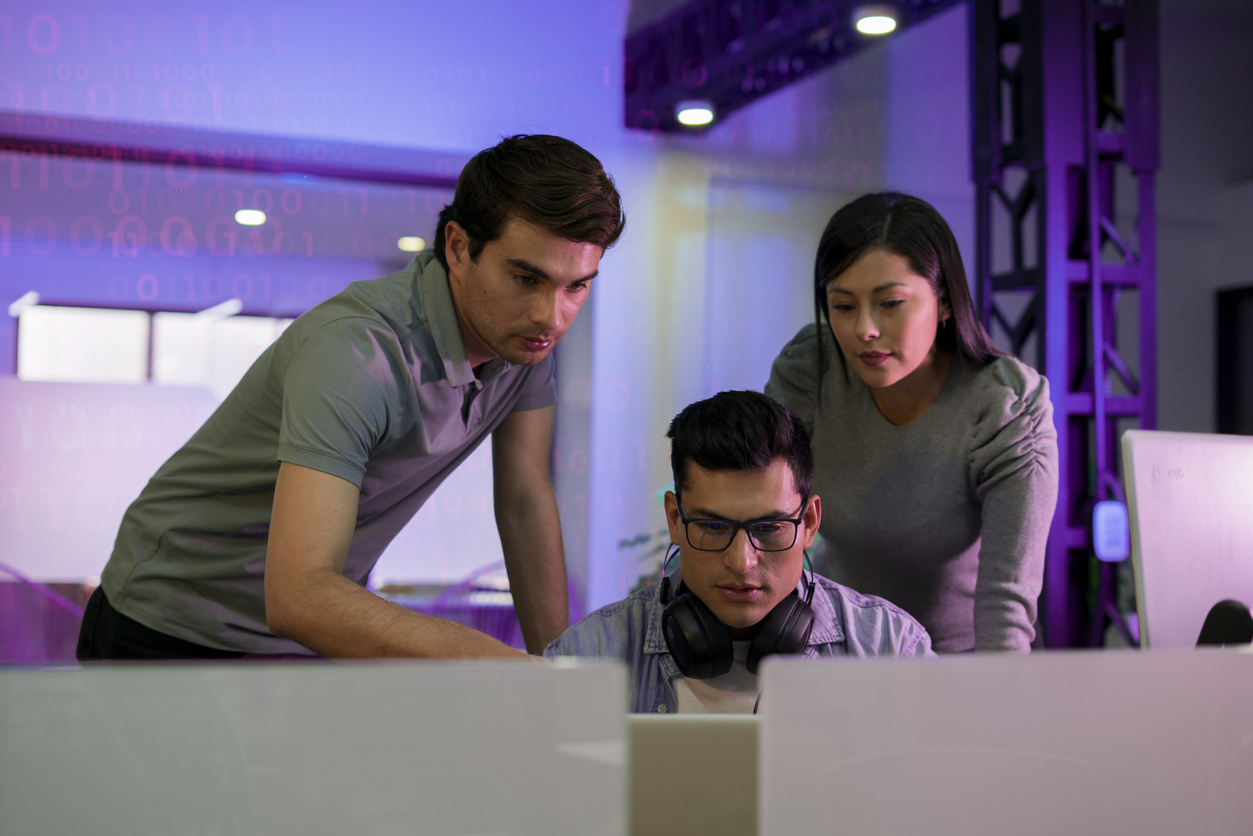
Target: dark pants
(107, 634)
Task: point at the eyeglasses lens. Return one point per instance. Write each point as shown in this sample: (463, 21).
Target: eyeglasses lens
(716, 535)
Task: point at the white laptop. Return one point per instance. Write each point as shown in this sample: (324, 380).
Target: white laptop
(692, 774)
(1191, 501)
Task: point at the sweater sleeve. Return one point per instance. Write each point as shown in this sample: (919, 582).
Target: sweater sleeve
(794, 376)
(1014, 470)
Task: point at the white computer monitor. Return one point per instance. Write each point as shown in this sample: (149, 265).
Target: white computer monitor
(1039, 745)
(1191, 501)
(309, 748)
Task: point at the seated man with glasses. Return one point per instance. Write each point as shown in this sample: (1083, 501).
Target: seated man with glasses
(741, 516)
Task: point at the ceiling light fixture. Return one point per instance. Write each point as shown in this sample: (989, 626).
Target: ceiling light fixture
(250, 217)
(411, 244)
(876, 19)
(694, 112)
(29, 299)
(222, 310)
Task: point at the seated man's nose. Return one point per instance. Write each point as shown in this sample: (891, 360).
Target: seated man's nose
(741, 555)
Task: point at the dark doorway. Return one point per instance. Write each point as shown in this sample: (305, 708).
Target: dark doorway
(1235, 361)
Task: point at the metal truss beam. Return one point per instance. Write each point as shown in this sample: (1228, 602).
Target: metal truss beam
(1065, 102)
(733, 52)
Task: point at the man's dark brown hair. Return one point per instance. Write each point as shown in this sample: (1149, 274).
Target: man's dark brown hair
(545, 180)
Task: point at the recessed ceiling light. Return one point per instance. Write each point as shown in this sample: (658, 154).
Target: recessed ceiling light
(877, 19)
(412, 244)
(694, 112)
(250, 217)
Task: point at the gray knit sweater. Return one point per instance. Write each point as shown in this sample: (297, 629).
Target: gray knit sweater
(946, 517)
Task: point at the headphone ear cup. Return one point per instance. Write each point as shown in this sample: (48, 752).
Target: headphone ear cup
(698, 642)
(784, 631)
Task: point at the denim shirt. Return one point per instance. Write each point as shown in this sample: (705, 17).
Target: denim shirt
(846, 623)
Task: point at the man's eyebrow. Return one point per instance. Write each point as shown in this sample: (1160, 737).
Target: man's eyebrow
(528, 267)
(879, 289)
(706, 514)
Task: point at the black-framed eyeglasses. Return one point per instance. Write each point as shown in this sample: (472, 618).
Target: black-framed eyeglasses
(765, 535)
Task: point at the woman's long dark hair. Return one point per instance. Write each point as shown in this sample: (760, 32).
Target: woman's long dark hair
(913, 229)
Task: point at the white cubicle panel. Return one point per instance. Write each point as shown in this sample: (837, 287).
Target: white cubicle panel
(1142, 743)
(73, 456)
(1191, 502)
(446, 749)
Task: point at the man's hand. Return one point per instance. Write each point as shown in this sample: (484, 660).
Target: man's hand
(530, 527)
(308, 599)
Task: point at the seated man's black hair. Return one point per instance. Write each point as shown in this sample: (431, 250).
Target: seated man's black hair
(739, 431)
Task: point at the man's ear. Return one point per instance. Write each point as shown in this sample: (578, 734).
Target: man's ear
(811, 520)
(456, 249)
(672, 517)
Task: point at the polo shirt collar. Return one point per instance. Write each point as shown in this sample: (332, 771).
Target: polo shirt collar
(441, 319)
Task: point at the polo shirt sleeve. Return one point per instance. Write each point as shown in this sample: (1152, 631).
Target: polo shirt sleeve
(340, 392)
(540, 388)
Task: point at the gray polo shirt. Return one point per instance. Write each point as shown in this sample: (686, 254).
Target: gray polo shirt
(372, 386)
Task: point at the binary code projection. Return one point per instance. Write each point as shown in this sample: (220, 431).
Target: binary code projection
(199, 68)
(311, 74)
(166, 236)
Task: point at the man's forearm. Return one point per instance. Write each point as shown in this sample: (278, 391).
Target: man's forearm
(331, 615)
(530, 532)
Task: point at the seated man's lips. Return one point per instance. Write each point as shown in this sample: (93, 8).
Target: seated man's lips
(739, 594)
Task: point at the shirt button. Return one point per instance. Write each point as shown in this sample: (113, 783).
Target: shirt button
(661, 709)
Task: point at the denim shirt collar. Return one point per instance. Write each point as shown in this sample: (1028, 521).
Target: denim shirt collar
(826, 623)
(654, 639)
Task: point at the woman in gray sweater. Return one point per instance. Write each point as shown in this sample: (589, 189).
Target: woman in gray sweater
(934, 453)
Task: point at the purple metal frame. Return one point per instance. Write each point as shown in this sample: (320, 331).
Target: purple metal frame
(733, 52)
(1059, 108)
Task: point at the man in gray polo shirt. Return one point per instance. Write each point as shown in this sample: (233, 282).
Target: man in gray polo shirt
(257, 536)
